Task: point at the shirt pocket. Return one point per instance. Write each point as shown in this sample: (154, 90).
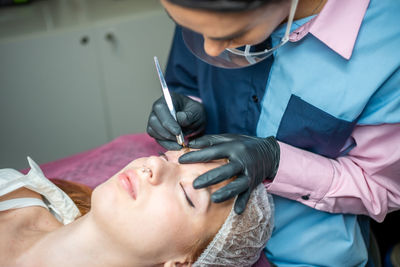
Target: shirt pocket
(308, 127)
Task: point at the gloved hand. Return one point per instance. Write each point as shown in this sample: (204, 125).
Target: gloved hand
(161, 125)
(251, 160)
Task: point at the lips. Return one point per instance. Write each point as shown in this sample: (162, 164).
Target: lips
(127, 180)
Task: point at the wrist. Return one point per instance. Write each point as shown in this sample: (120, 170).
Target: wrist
(273, 152)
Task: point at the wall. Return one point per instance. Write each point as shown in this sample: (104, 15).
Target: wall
(74, 74)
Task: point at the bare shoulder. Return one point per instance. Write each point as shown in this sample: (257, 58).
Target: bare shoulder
(16, 214)
(20, 193)
(21, 228)
(29, 217)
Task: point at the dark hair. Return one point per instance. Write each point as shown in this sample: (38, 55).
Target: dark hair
(222, 5)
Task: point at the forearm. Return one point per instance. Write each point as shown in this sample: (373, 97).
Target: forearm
(366, 181)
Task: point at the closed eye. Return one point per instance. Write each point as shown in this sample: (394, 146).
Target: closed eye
(187, 197)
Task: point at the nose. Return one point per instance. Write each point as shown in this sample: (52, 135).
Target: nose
(214, 47)
(147, 173)
(156, 170)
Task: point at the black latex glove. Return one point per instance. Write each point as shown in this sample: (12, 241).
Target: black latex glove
(161, 125)
(251, 160)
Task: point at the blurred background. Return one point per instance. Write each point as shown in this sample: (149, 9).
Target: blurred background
(75, 74)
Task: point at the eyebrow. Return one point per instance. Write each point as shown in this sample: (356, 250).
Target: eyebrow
(162, 154)
(224, 38)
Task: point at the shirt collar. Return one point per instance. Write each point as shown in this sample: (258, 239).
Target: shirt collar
(337, 25)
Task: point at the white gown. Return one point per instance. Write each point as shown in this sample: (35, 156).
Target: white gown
(55, 200)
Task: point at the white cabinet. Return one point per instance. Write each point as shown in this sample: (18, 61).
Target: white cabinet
(130, 78)
(67, 89)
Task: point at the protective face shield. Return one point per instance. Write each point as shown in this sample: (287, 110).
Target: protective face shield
(233, 58)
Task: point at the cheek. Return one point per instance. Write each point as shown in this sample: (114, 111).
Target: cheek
(104, 199)
(168, 226)
(261, 31)
(103, 196)
(155, 227)
(257, 36)
(166, 214)
(114, 215)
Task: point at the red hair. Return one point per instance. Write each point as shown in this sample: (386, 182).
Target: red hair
(79, 193)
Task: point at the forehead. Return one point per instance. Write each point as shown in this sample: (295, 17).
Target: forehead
(174, 156)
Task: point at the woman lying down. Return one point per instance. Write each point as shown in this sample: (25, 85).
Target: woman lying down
(148, 214)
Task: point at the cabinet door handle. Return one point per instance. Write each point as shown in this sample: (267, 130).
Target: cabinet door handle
(110, 37)
(85, 40)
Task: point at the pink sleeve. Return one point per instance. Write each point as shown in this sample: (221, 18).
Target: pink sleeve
(366, 181)
(195, 98)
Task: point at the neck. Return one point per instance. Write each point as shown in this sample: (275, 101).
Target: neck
(306, 8)
(81, 243)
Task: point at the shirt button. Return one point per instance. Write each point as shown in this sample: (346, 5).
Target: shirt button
(306, 197)
(255, 98)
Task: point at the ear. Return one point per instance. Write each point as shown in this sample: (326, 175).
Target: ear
(179, 262)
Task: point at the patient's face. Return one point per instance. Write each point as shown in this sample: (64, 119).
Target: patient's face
(151, 207)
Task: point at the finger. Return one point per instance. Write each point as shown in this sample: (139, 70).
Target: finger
(210, 140)
(241, 202)
(169, 145)
(162, 133)
(232, 189)
(184, 118)
(206, 154)
(204, 141)
(189, 128)
(153, 133)
(217, 175)
(164, 116)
